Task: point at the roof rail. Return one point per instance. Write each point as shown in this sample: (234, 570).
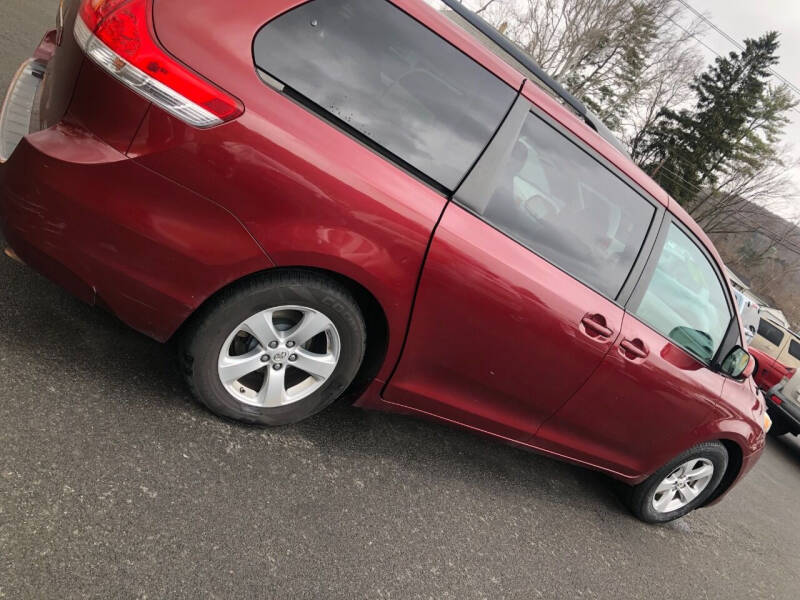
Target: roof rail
(525, 60)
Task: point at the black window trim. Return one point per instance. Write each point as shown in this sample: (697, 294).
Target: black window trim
(475, 185)
(731, 336)
(288, 92)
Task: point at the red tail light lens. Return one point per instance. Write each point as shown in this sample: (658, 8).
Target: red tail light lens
(94, 11)
(116, 35)
(776, 400)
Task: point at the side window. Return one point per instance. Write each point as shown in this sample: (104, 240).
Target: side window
(739, 300)
(770, 333)
(391, 79)
(558, 201)
(794, 349)
(684, 300)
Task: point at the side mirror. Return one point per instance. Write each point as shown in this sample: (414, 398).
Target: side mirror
(750, 368)
(739, 364)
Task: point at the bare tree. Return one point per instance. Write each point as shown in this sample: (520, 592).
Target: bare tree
(484, 6)
(625, 58)
(726, 207)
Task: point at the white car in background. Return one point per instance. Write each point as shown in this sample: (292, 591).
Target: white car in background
(748, 310)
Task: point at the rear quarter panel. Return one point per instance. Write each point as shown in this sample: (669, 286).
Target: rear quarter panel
(786, 357)
(144, 247)
(308, 193)
(762, 344)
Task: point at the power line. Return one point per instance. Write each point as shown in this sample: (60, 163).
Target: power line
(737, 44)
(713, 51)
(678, 178)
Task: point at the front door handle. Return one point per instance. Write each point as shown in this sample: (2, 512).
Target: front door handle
(633, 349)
(596, 325)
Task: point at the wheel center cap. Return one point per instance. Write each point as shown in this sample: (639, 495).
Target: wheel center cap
(280, 355)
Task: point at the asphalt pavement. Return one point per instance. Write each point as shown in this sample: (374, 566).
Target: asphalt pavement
(115, 484)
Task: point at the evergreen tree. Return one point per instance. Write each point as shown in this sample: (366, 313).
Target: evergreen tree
(735, 121)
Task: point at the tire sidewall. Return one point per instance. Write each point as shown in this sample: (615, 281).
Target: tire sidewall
(210, 336)
(643, 493)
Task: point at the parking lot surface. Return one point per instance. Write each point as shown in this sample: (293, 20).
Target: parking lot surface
(114, 483)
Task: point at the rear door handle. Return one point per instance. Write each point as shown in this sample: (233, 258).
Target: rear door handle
(633, 349)
(597, 325)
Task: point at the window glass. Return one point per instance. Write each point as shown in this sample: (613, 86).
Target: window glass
(491, 45)
(390, 78)
(739, 300)
(794, 349)
(685, 300)
(769, 332)
(557, 200)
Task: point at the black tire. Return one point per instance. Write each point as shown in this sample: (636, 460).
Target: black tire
(209, 329)
(640, 498)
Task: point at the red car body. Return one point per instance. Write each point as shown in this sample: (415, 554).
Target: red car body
(770, 371)
(131, 209)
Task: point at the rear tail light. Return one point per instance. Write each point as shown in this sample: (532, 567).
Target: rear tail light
(776, 400)
(94, 11)
(116, 35)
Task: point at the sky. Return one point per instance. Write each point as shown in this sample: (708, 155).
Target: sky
(748, 19)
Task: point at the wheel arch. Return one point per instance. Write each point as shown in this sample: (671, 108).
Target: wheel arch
(374, 316)
(739, 436)
(735, 462)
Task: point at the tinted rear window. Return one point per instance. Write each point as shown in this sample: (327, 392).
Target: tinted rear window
(391, 79)
(769, 332)
(794, 349)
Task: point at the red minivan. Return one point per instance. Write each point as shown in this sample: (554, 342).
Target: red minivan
(359, 198)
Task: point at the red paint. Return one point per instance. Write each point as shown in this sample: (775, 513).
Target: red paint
(492, 318)
(770, 370)
(125, 28)
(95, 91)
(635, 413)
(128, 207)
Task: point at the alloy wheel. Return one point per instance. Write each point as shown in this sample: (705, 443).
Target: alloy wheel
(279, 356)
(683, 485)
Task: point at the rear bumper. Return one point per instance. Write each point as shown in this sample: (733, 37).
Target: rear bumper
(109, 230)
(115, 233)
(786, 414)
(17, 108)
